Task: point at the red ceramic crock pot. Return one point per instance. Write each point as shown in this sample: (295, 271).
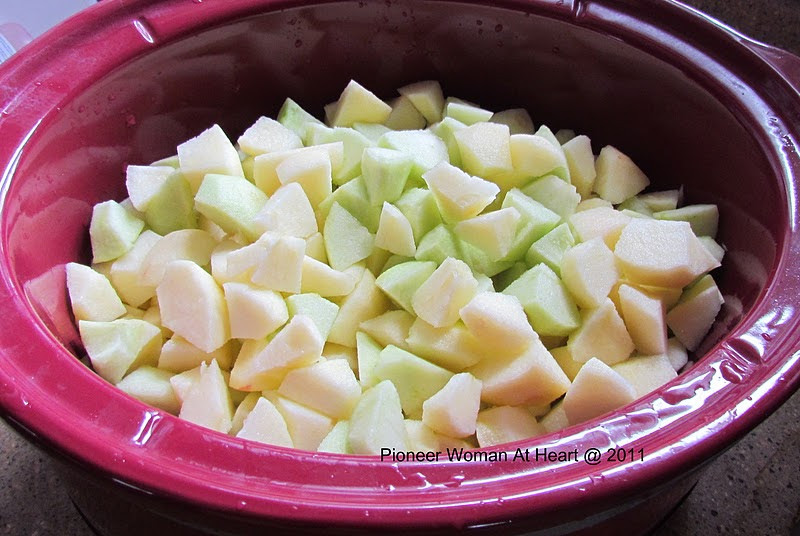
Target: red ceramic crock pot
(694, 103)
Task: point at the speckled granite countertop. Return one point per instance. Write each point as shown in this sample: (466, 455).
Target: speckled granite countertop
(752, 489)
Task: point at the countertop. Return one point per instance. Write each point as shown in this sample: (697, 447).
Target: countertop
(753, 488)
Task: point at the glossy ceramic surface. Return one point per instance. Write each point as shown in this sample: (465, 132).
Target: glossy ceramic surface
(125, 81)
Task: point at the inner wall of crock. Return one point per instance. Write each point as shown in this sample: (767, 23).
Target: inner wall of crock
(566, 76)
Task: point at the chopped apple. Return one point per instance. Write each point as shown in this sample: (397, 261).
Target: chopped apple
(547, 302)
(287, 212)
(663, 200)
(418, 205)
(279, 264)
(458, 195)
(485, 149)
(125, 271)
(465, 112)
(453, 410)
(265, 166)
(453, 347)
(563, 357)
(426, 96)
(618, 178)
(171, 208)
(311, 170)
(191, 245)
(260, 362)
(307, 427)
(319, 278)
(193, 305)
(400, 282)
(518, 120)
(578, 152)
(230, 202)
(267, 136)
(415, 378)
(661, 253)
(601, 221)
(644, 319)
(377, 421)
(646, 373)
(555, 419)
(243, 409)
(499, 322)
(329, 387)
(550, 248)
(367, 353)
(152, 386)
(179, 355)
(445, 129)
(91, 295)
(209, 152)
(143, 182)
(321, 311)
(365, 302)
(208, 402)
(113, 231)
(346, 240)
(532, 377)
(449, 288)
(439, 244)
(265, 424)
(704, 218)
(254, 312)
(358, 104)
(589, 271)
(392, 327)
(315, 247)
(395, 233)
(420, 437)
(597, 389)
(385, 173)
(536, 221)
(117, 346)
(676, 352)
(295, 118)
(504, 424)
(336, 440)
(492, 232)
(534, 156)
(554, 193)
(405, 115)
(691, 319)
(602, 335)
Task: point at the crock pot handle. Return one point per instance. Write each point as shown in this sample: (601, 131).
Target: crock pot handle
(786, 63)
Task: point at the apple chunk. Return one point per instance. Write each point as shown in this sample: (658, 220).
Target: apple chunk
(597, 389)
(91, 294)
(120, 345)
(329, 387)
(449, 288)
(694, 314)
(618, 178)
(498, 321)
(602, 335)
(530, 378)
(193, 305)
(377, 421)
(208, 403)
(265, 424)
(260, 362)
(453, 410)
(504, 424)
(589, 271)
(209, 152)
